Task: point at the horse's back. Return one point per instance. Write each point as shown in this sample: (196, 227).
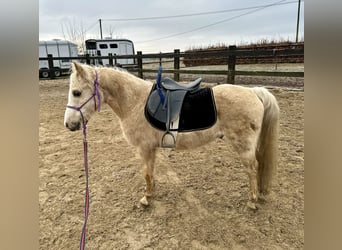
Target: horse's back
(237, 103)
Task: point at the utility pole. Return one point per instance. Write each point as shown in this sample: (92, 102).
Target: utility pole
(100, 21)
(298, 14)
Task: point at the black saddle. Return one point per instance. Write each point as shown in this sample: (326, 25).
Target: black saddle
(172, 85)
(173, 107)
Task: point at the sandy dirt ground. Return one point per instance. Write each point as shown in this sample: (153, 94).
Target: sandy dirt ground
(200, 198)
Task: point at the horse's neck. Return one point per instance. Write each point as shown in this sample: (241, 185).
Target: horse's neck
(123, 91)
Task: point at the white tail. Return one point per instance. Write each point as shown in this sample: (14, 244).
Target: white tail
(267, 150)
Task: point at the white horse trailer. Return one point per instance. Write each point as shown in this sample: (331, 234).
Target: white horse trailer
(56, 48)
(103, 47)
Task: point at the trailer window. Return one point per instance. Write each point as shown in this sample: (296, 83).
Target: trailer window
(90, 44)
(103, 46)
(113, 46)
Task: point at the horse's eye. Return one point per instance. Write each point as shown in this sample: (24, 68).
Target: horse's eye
(76, 93)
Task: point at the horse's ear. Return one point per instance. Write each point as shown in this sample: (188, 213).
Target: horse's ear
(77, 68)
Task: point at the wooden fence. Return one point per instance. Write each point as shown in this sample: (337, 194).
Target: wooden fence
(230, 72)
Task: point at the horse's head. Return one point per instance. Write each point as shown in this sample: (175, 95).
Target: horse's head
(84, 96)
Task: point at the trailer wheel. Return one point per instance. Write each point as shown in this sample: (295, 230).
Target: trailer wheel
(45, 74)
(57, 73)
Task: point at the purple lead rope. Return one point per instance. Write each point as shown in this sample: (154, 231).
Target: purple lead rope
(86, 205)
(96, 93)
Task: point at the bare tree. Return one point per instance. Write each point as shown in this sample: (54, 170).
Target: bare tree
(74, 31)
(111, 31)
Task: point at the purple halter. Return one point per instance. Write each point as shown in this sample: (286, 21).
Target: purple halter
(95, 94)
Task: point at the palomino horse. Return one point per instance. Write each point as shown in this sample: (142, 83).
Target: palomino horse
(247, 117)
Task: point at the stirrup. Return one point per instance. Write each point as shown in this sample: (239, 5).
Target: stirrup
(168, 140)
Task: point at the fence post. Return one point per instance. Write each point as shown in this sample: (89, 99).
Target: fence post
(140, 65)
(110, 59)
(160, 59)
(87, 59)
(51, 69)
(231, 64)
(176, 65)
(275, 58)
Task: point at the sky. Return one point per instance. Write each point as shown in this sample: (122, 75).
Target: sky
(164, 25)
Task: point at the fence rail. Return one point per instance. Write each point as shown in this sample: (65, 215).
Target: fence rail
(230, 55)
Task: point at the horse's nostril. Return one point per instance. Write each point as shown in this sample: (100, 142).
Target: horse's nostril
(73, 126)
(78, 126)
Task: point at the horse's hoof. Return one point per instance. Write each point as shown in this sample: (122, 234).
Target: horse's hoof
(144, 201)
(251, 205)
(148, 194)
(262, 197)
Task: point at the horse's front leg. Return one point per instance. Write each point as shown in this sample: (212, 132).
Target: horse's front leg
(148, 157)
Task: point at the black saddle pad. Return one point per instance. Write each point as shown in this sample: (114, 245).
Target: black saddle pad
(198, 112)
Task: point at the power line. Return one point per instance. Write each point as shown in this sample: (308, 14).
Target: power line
(91, 26)
(194, 14)
(221, 21)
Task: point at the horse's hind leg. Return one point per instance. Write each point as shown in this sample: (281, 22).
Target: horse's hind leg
(246, 150)
(148, 157)
(249, 161)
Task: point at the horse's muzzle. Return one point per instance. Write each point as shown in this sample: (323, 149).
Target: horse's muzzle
(73, 126)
